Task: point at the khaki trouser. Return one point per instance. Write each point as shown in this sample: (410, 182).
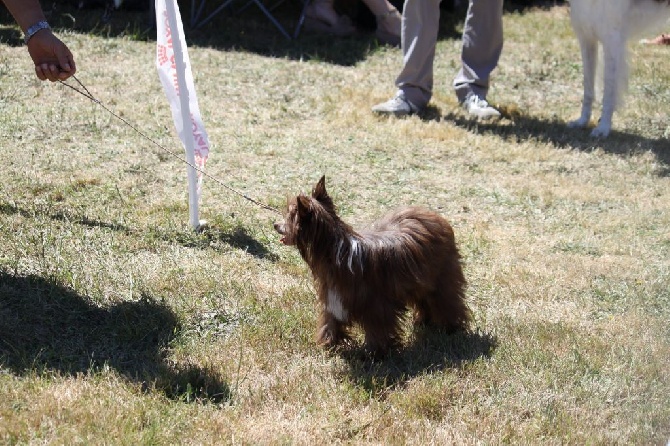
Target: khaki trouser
(482, 45)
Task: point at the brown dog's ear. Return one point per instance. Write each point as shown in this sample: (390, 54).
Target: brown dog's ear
(319, 191)
(303, 205)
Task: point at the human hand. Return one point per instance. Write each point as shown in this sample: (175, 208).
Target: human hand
(53, 59)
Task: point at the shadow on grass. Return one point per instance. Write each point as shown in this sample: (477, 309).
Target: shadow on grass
(233, 29)
(47, 327)
(519, 127)
(431, 351)
(211, 238)
(241, 28)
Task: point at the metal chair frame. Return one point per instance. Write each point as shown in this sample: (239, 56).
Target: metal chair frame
(197, 12)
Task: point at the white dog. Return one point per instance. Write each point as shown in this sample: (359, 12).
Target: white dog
(612, 23)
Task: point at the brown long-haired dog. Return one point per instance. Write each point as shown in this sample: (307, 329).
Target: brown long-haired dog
(370, 277)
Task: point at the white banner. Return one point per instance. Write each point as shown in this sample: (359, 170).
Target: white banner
(174, 70)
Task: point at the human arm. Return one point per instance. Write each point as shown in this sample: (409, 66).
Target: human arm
(53, 60)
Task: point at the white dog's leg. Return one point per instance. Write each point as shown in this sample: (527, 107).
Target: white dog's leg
(615, 74)
(589, 49)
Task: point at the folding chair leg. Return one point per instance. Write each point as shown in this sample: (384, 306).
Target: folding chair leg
(301, 20)
(272, 19)
(197, 12)
(194, 19)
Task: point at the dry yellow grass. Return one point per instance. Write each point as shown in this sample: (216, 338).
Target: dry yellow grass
(118, 325)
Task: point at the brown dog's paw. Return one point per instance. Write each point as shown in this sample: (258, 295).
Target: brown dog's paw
(331, 337)
(380, 347)
(326, 337)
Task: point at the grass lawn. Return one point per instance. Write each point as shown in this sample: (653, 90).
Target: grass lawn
(121, 325)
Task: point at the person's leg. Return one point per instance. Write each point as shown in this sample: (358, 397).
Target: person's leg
(388, 21)
(320, 16)
(482, 46)
(420, 25)
(324, 10)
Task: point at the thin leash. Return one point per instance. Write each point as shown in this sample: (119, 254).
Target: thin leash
(90, 96)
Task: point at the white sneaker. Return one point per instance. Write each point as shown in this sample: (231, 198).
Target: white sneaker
(479, 108)
(398, 106)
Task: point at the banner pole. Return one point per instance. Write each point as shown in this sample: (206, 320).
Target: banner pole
(189, 143)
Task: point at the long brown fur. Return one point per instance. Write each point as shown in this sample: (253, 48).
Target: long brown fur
(408, 259)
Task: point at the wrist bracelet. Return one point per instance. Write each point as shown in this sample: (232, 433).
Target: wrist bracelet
(39, 26)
